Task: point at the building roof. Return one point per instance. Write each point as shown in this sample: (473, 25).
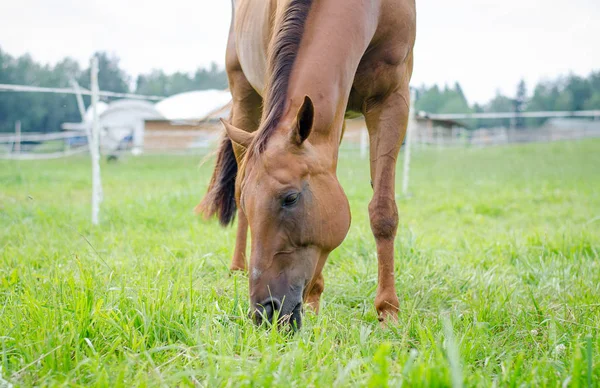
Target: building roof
(134, 108)
(196, 105)
(424, 117)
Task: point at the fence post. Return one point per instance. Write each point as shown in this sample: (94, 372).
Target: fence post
(17, 142)
(79, 98)
(407, 144)
(95, 145)
(454, 140)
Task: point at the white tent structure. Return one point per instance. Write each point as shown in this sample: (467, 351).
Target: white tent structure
(118, 122)
(123, 119)
(89, 113)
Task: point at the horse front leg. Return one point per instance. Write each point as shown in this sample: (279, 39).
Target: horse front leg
(386, 121)
(238, 261)
(313, 296)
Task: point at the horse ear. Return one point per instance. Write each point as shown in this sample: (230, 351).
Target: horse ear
(237, 135)
(304, 121)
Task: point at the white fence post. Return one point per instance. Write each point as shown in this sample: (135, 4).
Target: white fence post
(409, 130)
(79, 98)
(81, 107)
(17, 142)
(95, 146)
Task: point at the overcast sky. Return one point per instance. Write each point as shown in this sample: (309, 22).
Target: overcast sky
(486, 45)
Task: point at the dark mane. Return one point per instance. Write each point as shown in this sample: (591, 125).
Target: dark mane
(282, 56)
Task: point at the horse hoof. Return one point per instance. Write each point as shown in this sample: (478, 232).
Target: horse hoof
(388, 306)
(388, 318)
(235, 267)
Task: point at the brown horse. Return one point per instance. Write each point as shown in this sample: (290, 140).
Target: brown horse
(297, 69)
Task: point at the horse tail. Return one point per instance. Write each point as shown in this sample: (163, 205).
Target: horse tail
(220, 196)
(219, 200)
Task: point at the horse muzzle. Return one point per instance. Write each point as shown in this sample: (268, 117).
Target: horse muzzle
(287, 311)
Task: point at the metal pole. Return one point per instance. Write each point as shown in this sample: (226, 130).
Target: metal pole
(17, 137)
(407, 144)
(95, 146)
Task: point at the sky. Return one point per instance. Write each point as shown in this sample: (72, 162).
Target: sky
(486, 45)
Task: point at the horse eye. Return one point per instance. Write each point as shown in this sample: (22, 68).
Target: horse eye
(291, 199)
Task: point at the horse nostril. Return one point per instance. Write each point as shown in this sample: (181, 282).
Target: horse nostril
(266, 309)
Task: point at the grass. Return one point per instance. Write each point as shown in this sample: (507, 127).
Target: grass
(498, 274)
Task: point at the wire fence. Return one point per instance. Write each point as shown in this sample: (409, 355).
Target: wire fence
(185, 142)
(37, 146)
(424, 131)
(460, 137)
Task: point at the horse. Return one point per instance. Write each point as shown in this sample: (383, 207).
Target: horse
(297, 69)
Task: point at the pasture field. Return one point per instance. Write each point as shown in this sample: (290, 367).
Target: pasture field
(498, 274)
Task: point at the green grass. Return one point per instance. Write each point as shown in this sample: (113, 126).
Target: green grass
(498, 274)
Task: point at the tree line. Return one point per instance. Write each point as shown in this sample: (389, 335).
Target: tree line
(44, 112)
(564, 93)
(40, 112)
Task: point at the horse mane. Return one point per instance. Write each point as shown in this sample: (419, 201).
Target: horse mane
(281, 57)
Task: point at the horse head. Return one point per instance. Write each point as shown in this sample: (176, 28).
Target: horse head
(296, 210)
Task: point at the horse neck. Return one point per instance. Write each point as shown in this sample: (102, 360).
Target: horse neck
(337, 33)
